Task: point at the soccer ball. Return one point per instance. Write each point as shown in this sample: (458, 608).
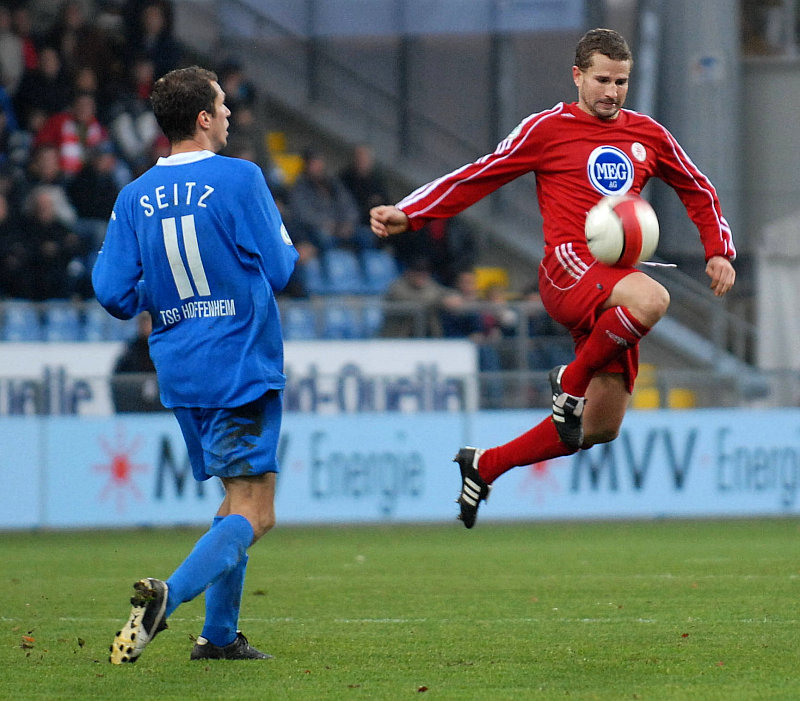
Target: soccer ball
(622, 230)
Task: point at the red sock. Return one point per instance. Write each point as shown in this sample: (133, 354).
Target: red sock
(616, 330)
(540, 443)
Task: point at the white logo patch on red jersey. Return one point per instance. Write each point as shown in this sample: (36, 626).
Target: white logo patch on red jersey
(639, 152)
(610, 170)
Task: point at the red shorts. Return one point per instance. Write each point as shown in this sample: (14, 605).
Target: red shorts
(573, 287)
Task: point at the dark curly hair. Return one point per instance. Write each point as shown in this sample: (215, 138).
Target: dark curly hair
(179, 96)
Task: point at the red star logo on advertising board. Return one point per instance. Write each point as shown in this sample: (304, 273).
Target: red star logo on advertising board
(540, 479)
(120, 469)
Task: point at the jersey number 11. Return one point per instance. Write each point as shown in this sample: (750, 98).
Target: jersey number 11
(192, 248)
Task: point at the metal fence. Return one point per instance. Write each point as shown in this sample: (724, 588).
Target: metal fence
(516, 349)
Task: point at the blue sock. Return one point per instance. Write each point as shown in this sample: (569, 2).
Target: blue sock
(215, 554)
(223, 599)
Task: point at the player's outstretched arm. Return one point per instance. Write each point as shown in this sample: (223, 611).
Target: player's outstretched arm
(722, 274)
(387, 220)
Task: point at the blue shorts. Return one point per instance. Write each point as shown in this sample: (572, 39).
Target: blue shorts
(233, 442)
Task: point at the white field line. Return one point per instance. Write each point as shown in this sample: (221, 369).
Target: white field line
(447, 621)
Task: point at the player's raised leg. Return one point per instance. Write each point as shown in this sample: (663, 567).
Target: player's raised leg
(635, 305)
(607, 399)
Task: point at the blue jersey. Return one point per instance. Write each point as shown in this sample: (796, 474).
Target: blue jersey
(198, 242)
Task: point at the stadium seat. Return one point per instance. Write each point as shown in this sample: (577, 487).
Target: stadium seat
(120, 329)
(681, 398)
(491, 276)
(380, 270)
(372, 318)
(99, 325)
(314, 278)
(95, 322)
(645, 398)
(62, 322)
(21, 321)
(298, 323)
(343, 272)
(340, 322)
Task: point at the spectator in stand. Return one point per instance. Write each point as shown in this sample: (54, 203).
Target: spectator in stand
(15, 278)
(42, 92)
(10, 185)
(81, 43)
(12, 63)
(297, 287)
(74, 132)
(134, 387)
(13, 148)
(247, 133)
(150, 34)
(239, 91)
(55, 264)
(131, 120)
(321, 204)
(464, 317)
(499, 314)
(93, 192)
(246, 145)
(550, 342)
(365, 181)
(44, 168)
(23, 28)
(85, 80)
(423, 301)
(449, 243)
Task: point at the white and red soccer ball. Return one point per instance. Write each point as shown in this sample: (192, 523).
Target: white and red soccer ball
(622, 230)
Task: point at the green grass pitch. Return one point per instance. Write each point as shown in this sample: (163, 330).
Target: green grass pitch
(639, 610)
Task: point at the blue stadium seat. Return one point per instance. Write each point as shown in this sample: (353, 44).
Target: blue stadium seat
(299, 323)
(99, 325)
(21, 321)
(120, 329)
(340, 321)
(95, 323)
(314, 277)
(372, 318)
(343, 272)
(62, 322)
(380, 270)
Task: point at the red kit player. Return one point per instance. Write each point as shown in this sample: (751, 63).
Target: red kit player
(579, 153)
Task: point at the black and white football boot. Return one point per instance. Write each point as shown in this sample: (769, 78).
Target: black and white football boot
(149, 601)
(473, 488)
(567, 411)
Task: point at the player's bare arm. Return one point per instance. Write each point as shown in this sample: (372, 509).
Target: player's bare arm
(722, 274)
(388, 220)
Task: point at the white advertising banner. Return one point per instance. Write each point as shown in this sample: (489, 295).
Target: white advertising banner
(325, 377)
(332, 377)
(133, 470)
(56, 378)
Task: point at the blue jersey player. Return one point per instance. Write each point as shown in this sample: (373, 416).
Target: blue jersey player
(198, 242)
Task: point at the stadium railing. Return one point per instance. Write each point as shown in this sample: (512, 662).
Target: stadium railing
(514, 363)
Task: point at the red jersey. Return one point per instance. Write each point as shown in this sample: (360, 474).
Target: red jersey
(577, 159)
(72, 139)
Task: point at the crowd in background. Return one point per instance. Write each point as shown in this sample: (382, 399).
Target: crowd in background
(76, 126)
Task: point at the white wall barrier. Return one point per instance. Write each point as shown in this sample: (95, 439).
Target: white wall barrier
(70, 471)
